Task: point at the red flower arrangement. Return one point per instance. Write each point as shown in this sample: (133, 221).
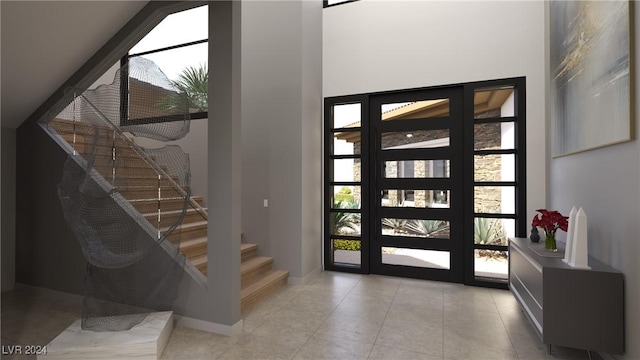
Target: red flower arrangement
(550, 221)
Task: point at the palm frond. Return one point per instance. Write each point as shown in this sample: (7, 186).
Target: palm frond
(192, 87)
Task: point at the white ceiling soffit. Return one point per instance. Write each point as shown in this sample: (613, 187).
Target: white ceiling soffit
(43, 43)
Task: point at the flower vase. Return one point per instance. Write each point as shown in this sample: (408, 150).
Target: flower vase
(550, 242)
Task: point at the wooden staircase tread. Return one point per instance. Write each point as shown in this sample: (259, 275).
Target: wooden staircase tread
(189, 226)
(172, 212)
(192, 242)
(175, 198)
(251, 294)
(247, 247)
(254, 263)
(164, 187)
(199, 260)
(267, 277)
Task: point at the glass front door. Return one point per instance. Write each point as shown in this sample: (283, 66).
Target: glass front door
(416, 230)
(426, 183)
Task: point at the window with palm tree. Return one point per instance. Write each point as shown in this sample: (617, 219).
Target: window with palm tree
(182, 56)
(192, 89)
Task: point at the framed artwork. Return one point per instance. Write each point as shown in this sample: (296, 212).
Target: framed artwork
(591, 77)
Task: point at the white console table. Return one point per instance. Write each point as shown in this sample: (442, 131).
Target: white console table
(577, 308)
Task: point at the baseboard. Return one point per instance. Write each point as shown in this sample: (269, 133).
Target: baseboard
(208, 326)
(304, 280)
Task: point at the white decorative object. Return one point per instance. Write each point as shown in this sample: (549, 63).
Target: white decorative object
(579, 257)
(143, 341)
(569, 246)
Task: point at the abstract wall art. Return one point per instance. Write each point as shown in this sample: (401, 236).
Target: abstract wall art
(591, 77)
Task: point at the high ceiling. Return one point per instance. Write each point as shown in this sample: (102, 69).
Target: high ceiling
(44, 42)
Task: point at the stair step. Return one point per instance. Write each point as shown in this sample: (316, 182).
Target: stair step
(194, 248)
(252, 268)
(248, 251)
(168, 218)
(188, 231)
(84, 136)
(121, 152)
(131, 160)
(200, 263)
(266, 284)
(127, 172)
(150, 205)
(83, 142)
(149, 192)
(124, 183)
(64, 125)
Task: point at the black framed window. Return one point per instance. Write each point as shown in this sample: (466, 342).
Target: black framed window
(346, 189)
(178, 46)
(497, 162)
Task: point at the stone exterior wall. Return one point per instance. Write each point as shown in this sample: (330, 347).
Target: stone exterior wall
(487, 168)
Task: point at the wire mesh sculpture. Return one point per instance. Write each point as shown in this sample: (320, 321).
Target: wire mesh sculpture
(125, 204)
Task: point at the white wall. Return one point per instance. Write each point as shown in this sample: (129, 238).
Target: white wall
(371, 45)
(605, 182)
(281, 132)
(311, 134)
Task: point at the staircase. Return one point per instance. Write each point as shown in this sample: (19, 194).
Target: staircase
(258, 278)
(142, 192)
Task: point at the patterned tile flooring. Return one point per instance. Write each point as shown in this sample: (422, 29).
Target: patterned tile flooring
(334, 316)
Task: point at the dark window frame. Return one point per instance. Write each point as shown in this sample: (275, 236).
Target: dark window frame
(329, 183)
(519, 182)
(325, 3)
(124, 85)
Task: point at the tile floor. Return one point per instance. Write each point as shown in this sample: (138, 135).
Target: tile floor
(335, 316)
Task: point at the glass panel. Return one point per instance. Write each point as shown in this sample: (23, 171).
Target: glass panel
(494, 167)
(346, 143)
(494, 136)
(346, 170)
(438, 229)
(167, 32)
(155, 99)
(174, 62)
(495, 199)
(347, 115)
(420, 139)
(416, 169)
(415, 110)
(491, 264)
(488, 231)
(494, 102)
(434, 259)
(344, 223)
(415, 198)
(346, 251)
(346, 197)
